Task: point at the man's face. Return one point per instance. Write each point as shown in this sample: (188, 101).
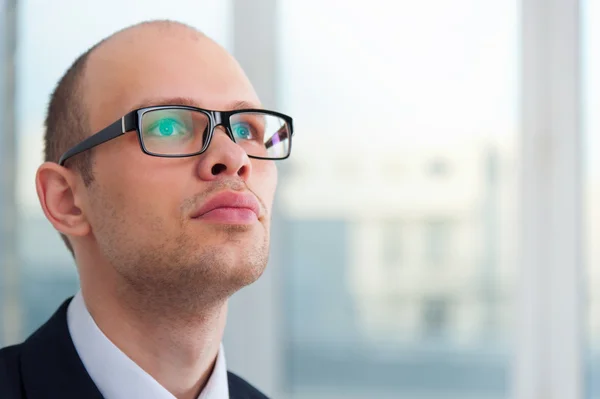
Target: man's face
(141, 207)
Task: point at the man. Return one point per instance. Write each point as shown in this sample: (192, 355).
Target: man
(165, 204)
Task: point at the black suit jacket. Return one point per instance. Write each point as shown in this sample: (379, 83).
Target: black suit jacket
(47, 366)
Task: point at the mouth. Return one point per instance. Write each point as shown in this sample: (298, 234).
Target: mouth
(229, 208)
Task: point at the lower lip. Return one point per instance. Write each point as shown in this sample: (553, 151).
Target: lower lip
(230, 216)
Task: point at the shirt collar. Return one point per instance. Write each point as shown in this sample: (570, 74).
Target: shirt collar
(115, 374)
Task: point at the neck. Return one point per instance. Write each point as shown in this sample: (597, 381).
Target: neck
(177, 347)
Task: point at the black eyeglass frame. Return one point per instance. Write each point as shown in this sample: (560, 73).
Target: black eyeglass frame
(131, 122)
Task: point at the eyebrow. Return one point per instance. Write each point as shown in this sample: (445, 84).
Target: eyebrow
(189, 102)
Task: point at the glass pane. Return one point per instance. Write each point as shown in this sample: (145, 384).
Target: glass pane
(48, 275)
(399, 197)
(591, 166)
(174, 131)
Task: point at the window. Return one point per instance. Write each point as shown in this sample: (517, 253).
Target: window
(413, 122)
(438, 235)
(438, 168)
(392, 243)
(435, 317)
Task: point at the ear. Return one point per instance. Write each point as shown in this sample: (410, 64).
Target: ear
(56, 190)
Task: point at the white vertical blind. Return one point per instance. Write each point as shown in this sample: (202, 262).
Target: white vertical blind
(550, 305)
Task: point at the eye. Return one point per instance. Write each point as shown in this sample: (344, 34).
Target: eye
(242, 130)
(167, 127)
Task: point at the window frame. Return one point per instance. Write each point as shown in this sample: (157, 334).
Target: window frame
(10, 311)
(549, 303)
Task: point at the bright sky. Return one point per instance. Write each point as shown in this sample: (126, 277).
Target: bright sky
(429, 67)
(432, 69)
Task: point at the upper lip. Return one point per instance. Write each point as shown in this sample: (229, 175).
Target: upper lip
(229, 199)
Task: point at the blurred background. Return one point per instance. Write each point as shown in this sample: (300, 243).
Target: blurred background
(427, 243)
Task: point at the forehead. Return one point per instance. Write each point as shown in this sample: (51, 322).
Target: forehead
(152, 65)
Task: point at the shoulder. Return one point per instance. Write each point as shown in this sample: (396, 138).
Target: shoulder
(241, 389)
(10, 378)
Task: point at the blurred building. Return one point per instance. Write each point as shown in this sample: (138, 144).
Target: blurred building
(424, 238)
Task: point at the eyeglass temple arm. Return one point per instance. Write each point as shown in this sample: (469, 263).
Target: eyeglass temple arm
(281, 134)
(114, 130)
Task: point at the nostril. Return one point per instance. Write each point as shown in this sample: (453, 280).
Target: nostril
(218, 168)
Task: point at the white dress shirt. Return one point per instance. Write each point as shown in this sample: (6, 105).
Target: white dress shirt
(115, 374)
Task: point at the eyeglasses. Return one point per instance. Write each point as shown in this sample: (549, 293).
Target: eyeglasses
(175, 131)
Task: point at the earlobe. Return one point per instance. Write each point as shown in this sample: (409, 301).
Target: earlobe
(56, 190)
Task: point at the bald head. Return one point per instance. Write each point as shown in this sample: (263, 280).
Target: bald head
(138, 63)
(152, 61)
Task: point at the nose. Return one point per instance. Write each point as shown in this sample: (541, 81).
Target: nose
(224, 158)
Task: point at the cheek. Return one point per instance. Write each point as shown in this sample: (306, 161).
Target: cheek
(141, 189)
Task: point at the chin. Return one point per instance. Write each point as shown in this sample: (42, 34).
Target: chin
(244, 271)
(228, 267)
